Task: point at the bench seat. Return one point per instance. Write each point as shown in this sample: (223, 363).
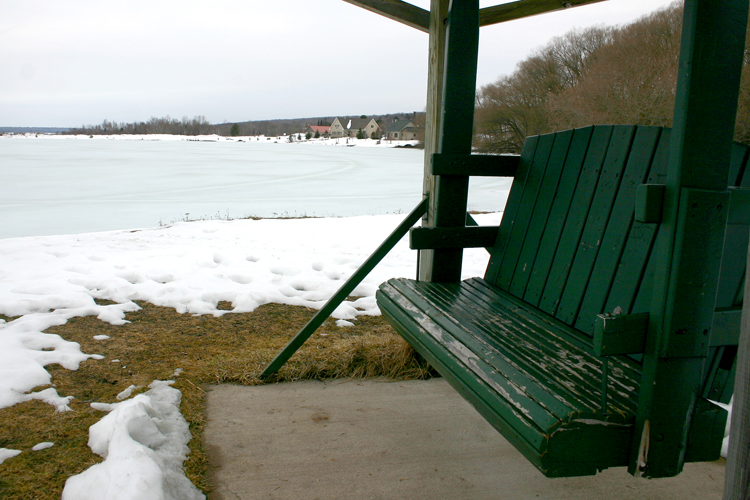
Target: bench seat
(523, 370)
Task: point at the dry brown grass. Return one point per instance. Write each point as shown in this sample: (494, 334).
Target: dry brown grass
(233, 348)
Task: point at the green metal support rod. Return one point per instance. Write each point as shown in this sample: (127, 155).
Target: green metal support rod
(345, 290)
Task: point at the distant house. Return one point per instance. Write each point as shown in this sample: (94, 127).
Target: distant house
(401, 130)
(345, 127)
(319, 129)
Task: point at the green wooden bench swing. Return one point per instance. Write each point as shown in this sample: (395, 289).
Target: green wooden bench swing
(609, 315)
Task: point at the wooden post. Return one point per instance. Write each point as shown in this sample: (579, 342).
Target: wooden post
(434, 111)
(737, 477)
(692, 232)
(450, 129)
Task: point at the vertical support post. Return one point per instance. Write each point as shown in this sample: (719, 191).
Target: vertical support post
(691, 236)
(737, 477)
(448, 194)
(434, 112)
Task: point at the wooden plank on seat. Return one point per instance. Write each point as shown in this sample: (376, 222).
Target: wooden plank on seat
(512, 363)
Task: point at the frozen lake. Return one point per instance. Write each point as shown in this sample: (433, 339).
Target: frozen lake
(68, 185)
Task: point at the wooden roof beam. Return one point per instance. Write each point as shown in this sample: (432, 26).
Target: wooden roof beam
(400, 11)
(524, 8)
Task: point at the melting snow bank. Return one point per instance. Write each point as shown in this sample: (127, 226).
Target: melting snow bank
(190, 267)
(25, 350)
(144, 442)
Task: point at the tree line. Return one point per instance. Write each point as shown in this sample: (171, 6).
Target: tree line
(199, 125)
(600, 75)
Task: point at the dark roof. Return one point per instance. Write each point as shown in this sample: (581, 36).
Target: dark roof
(357, 123)
(399, 125)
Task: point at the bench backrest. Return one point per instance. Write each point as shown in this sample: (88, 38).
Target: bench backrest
(568, 242)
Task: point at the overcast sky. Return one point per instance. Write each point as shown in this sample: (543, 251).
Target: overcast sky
(78, 62)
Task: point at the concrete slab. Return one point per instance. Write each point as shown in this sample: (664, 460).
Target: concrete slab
(393, 440)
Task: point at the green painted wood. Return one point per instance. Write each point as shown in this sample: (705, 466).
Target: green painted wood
(474, 165)
(649, 201)
(511, 207)
(538, 219)
(704, 219)
(563, 199)
(550, 413)
(712, 44)
(452, 237)
(524, 210)
(513, 360)
(621, 334)
(457, 128)
(617, 228)
(595, 225)
(725, 327)
(631, 287)
(736, 237)
(576, 219)
(343, 292)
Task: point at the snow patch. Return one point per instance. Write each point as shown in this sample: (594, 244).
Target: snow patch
(143, 442)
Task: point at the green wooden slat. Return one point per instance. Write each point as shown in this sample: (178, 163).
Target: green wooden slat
(632, 278)
(538, 220)
(562, 201)
(511, 207)
(580, 446)
(520, 341)
(510, 410)
(575, 219)
(452, 237)
(617, 230)
(596, 222)
(474, 165)
(578, 392)
(582, 384)
(735, 240)
(524, 211)
(461, 378)
(525, 390)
